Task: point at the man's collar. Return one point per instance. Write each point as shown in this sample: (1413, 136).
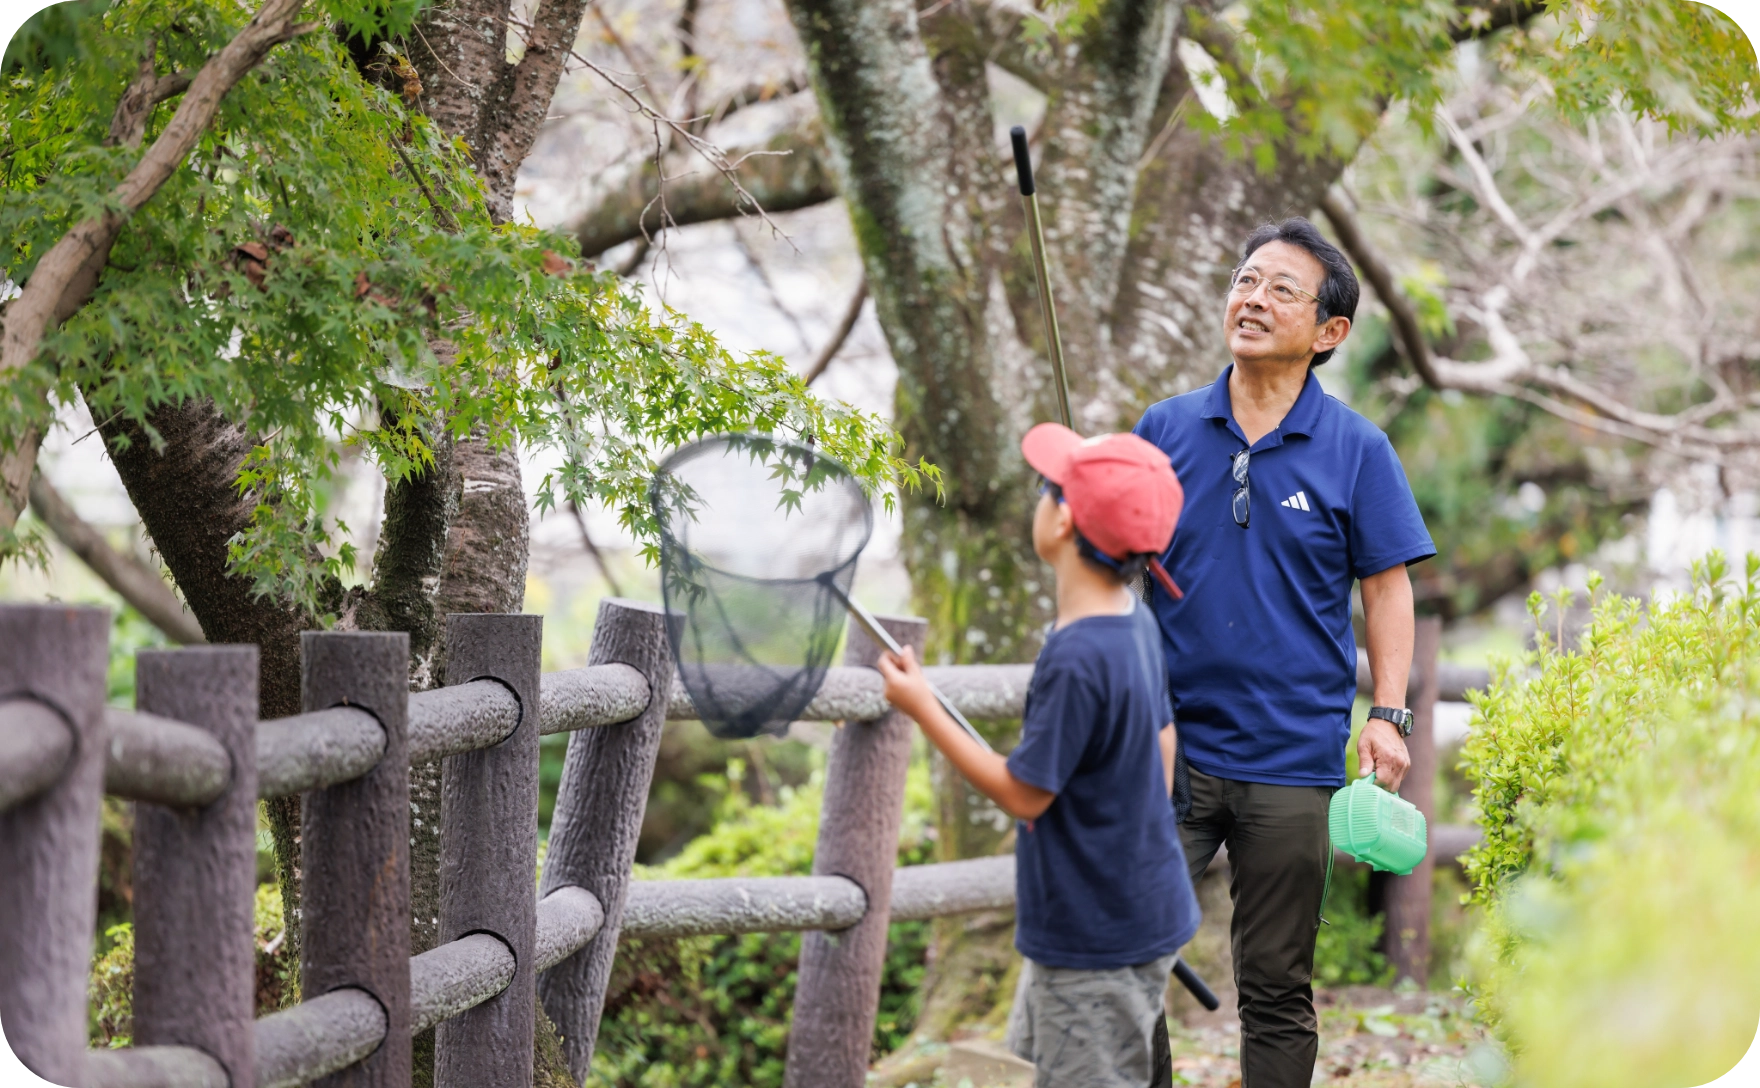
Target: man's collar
(1217, 404)
(1303, 416)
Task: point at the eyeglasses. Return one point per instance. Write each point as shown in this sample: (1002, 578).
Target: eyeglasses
(1282, 292)
(1243, 495)
(1046, 487)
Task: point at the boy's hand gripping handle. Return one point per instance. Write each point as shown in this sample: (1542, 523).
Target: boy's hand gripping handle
(879, 634)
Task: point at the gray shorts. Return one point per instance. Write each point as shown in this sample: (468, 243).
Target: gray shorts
(1088, 1029)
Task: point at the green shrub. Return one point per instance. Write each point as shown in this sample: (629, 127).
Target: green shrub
(1345, 952)
(715, 1010)
(1619, 790)
(110, 993)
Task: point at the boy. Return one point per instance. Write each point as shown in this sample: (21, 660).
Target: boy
(1102, 898)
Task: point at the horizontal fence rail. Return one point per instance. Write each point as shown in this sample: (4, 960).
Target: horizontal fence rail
(163, 761)
(333, 1031)
(35, 745)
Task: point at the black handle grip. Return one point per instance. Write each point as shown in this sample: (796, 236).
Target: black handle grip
(1190, 980)
(1023, 163)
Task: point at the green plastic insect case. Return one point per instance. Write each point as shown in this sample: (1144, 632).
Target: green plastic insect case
(1378, 827)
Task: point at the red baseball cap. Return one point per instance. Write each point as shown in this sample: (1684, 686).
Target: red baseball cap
(1121, 490)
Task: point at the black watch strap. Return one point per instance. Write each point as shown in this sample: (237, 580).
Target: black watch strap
(1399, 716)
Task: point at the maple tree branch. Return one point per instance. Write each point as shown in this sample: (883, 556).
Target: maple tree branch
(64, 279)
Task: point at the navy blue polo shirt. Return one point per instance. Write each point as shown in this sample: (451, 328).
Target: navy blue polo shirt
(1100, 878)
(1261, 659)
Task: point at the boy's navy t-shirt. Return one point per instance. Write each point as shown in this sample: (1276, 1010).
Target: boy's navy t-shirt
(1100, 878)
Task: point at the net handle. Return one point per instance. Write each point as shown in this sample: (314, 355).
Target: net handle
(879, 634)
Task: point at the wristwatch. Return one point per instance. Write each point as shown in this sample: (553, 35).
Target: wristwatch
(1400, 717)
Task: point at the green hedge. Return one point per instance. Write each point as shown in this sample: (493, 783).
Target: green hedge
(1619, 789)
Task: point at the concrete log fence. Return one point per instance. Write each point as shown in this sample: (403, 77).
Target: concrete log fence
(196, 759)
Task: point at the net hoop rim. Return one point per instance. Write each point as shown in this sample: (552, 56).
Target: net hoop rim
(670, 541)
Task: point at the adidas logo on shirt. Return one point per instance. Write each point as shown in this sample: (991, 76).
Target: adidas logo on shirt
(1298, 501)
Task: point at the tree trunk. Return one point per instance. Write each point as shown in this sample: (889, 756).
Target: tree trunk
(495, 106)
(187, 496)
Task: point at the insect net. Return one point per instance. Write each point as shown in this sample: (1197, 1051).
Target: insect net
(758, 537)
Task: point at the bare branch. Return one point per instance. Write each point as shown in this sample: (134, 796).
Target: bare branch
(851, 314)
(709, 152)
(63, 280)
(637, 254)
(593, 549)
(1405, 319)
(790, 175)
(763, 274)
(1511, 372)
(132, 580)
(1484, 182)
(755, 93)
(1482, 17)
(743, 202)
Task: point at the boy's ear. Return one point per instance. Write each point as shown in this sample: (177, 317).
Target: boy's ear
(1066, 521)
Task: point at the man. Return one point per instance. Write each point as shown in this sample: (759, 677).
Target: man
(1290, 498)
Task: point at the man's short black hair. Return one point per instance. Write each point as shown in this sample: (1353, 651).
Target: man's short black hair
(1338, 291)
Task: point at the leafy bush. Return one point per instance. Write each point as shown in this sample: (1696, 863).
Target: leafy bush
(1345, 952)
(1621, 862)
(110, 992)
(715, 1010)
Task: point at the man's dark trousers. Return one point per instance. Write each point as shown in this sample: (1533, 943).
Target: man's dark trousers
(1277, 852)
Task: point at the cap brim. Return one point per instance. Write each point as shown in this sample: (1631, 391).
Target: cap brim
(1048, 447)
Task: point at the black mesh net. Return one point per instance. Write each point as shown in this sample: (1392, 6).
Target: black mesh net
(758, 543)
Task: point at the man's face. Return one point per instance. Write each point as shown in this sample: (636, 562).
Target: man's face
(1261, 327)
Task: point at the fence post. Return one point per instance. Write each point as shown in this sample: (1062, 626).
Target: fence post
(354, 920)
(195, 870)
(489, 853)
(598, 818)
(49, 844)
(838, 993)
(1408, 897)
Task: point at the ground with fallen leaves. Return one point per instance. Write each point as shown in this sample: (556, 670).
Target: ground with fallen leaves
(1370, 1037)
